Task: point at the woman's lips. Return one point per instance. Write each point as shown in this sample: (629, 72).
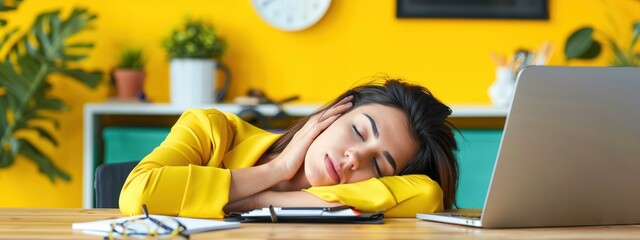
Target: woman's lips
(331, 170)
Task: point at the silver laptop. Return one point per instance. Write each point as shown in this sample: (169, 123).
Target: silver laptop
(570, 152)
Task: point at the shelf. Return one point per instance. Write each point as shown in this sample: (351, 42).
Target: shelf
(266, 109)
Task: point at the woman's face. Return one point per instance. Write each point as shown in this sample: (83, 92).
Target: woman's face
(369, 141)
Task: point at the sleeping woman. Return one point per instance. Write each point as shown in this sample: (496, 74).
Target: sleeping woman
(377, 147)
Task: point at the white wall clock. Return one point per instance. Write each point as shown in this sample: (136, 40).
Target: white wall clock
(291, 15)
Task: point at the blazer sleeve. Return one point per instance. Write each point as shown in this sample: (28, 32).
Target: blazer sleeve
(183, 176)
(398, 196)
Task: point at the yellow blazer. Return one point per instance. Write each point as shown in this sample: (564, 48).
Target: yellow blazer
(189, 173)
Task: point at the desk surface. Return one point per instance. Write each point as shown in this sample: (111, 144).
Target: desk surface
(27, 223)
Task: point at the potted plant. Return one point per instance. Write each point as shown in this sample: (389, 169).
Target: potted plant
(194, 50)
(129, 74)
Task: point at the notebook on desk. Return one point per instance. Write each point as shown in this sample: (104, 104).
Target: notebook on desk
(139, 226)
(569, 155)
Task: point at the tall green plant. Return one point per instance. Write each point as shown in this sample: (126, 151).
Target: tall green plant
(30, 59)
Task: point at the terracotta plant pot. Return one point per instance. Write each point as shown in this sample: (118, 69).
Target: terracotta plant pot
(129, 83)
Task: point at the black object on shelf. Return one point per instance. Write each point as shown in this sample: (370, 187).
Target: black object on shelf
(280, 120)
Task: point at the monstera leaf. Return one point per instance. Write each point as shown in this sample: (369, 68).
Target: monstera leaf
(24, 88)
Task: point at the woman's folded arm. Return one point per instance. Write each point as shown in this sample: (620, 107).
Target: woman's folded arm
(398, 196)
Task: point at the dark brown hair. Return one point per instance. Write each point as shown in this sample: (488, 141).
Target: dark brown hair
(427, 119)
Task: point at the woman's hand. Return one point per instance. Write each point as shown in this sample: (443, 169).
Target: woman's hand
(290, 160)
(249, 181)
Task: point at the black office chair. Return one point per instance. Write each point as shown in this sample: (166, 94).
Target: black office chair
(110, 178)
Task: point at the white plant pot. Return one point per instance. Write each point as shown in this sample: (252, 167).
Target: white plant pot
(192, 81)
(502, 89)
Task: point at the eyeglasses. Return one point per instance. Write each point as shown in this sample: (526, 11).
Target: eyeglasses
(147, 227)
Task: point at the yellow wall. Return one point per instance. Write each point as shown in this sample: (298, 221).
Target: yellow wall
(355, 40)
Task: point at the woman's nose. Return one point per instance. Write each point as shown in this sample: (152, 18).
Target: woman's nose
(354, 156)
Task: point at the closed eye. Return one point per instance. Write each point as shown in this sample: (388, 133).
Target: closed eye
(377, 168)
(357, 132)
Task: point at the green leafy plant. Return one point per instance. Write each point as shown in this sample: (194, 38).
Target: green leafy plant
(25, 68)
(195, 39)
(584, 44)
(131, 58)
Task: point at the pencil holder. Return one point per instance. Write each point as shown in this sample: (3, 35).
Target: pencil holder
(501, 91)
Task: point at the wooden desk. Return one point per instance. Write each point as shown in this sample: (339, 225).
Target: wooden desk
(17, 223)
